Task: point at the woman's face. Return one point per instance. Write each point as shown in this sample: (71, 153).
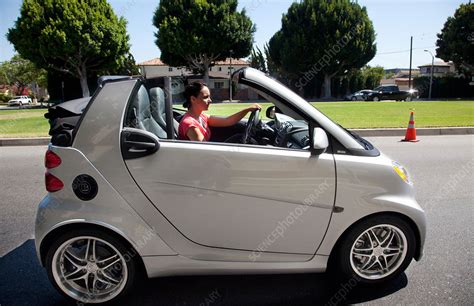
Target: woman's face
(203, 99)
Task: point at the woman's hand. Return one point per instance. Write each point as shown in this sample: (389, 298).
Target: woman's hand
(233, 119)
(254, 107)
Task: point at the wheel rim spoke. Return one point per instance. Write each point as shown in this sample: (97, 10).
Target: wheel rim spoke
(375, 236)
(363, 252)
(370, 239)
(74, 256)
(110, 277)
(111, 264)
(94, 258)
(389, 236)
(367, 263)
(383, 262)
(86, 256)
(67, 277)
(103, 261)
(72, 259)
(105, 281)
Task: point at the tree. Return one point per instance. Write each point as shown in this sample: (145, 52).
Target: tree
(127, 66)
(21, 72)
(195, 33)
(77, 37)
(372, 76)
(322, 38)
(456, 41)
(257, 60)
(272, 67)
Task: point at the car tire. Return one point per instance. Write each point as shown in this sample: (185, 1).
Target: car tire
(375, 250)
(375, 99)
(20, 105)
(353, 99)
(110, 267)
(408, 99)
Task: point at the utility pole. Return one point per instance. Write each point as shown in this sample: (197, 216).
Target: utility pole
(431, 74)
(409, 74)
(230, 77)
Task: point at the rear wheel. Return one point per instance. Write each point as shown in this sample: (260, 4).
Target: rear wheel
(354, 99)
(91, 266)
(376, 99)
(376, 250)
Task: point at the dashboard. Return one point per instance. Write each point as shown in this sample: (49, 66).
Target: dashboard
(290, 133)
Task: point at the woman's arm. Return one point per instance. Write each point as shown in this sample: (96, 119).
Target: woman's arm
(194, 134)
(232, 119)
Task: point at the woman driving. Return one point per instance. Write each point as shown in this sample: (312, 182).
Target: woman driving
(195, 124)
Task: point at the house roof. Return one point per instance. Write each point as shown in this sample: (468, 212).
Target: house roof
(153, 62)
(437, 64)
(157, 62)
(235, 61)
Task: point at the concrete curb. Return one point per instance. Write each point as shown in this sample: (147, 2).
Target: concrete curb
(10, 142)
(419, 131)
(43, 141)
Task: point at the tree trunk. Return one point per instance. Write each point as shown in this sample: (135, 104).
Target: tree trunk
(83, 79)
(205, 74)
(327, 86)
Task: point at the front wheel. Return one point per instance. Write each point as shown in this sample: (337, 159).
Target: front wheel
(91, 266)
(376, 99)
(376, 250)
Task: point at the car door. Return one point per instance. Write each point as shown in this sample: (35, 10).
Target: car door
(240, 197)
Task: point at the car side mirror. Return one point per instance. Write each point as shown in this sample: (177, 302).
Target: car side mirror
(271, 112)
(320, 141)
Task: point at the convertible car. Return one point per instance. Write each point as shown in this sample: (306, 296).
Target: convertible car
(288, 191)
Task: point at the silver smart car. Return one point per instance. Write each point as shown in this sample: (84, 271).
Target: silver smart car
(290, 193)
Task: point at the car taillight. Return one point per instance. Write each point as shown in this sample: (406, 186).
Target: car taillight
(51, 160)
(53, 184)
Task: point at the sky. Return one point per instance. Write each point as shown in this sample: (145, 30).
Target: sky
(394, 23)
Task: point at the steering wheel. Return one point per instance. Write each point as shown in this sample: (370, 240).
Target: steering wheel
(251, 124)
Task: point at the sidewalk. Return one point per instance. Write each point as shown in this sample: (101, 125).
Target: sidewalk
(43, 141)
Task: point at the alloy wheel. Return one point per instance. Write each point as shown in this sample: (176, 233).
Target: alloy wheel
(89, 269)
(378, 251)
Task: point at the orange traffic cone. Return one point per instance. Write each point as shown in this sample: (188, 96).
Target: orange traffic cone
(411, 131)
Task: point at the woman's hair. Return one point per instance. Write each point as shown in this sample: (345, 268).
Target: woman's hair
(192, 89)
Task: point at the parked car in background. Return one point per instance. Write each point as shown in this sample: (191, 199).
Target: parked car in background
(360, 95)
(294, 193)
(20, 101)
(389, 92)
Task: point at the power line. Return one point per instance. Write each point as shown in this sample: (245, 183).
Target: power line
(403, 51)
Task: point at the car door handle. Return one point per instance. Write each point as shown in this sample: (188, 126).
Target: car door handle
(138, 143)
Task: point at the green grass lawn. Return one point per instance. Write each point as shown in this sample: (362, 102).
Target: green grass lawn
(383, 114)
(23, 123)
(31, 123)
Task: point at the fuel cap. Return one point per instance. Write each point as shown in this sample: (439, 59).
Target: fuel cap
(85, 187)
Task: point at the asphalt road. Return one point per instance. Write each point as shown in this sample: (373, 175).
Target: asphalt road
(442, 169)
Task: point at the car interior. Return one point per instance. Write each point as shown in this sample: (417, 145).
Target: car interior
(147, 111)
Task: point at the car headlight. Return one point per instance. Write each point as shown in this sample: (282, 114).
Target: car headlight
(402, 172)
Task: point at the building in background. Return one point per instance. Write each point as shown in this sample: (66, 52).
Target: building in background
(400, 77)
(440, 69)
(219, 76)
